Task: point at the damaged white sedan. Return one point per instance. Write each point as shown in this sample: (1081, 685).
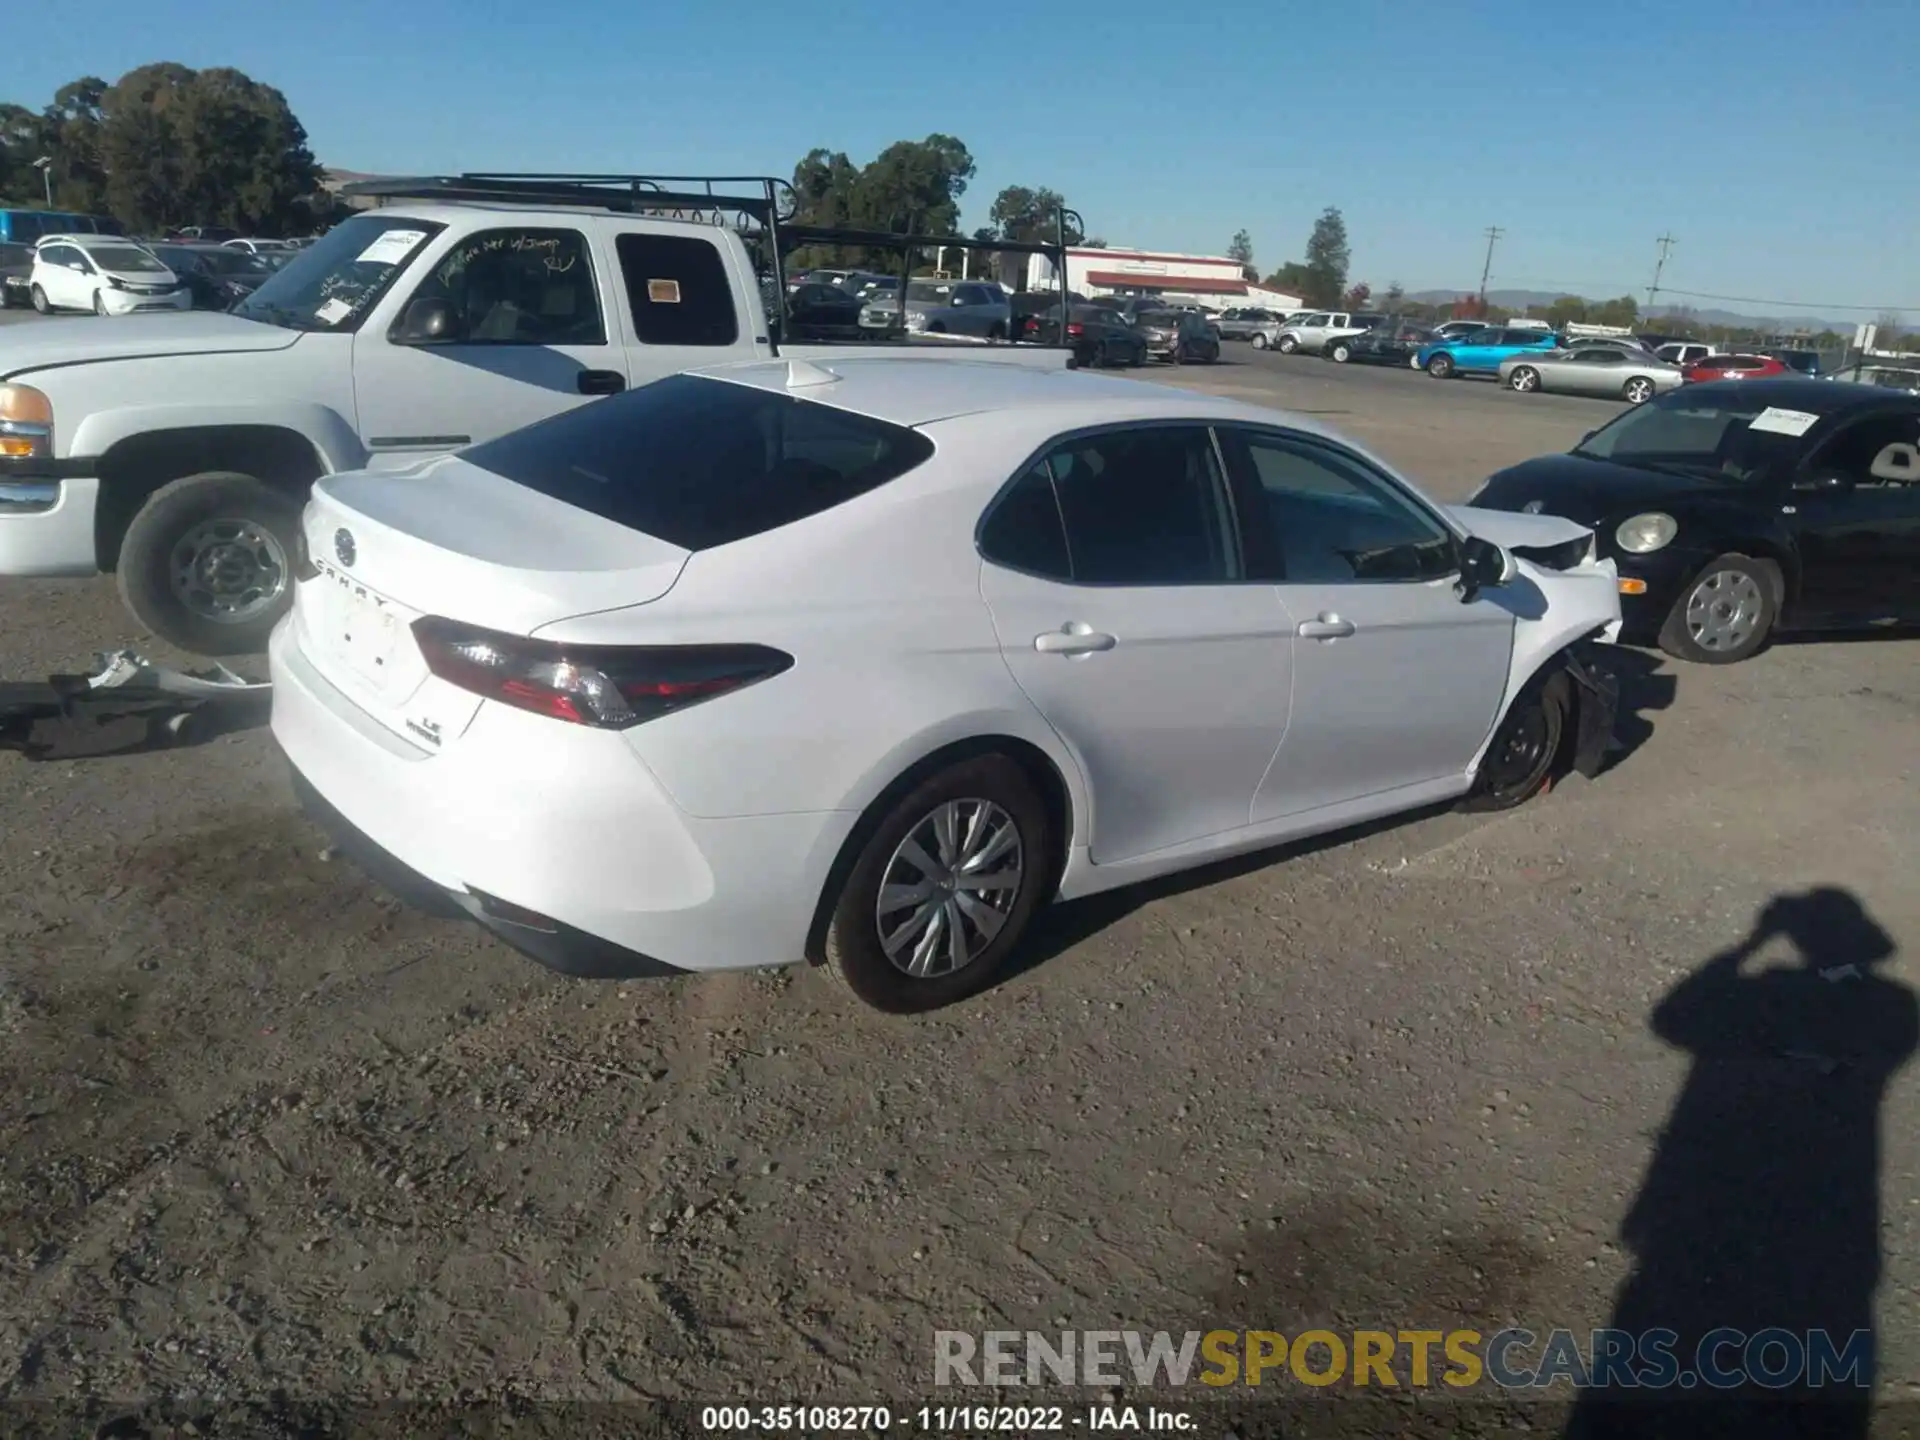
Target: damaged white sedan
(864, 665)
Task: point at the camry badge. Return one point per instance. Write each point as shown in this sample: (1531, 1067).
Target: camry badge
(343, 546)
(1532, 507)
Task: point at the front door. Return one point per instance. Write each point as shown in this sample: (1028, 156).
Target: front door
(528, 338)
(1123, 611)
(1856, 505)
(1396, 680)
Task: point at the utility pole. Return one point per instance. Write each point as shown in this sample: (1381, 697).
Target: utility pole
(1494, 232)
(1666, 243)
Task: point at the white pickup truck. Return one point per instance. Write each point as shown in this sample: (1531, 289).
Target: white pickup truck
(177, 450)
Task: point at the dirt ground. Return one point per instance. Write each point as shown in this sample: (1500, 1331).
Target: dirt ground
(264, 1132)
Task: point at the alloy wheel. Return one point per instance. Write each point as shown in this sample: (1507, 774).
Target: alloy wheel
(949, 887)
(1525, 379)
(1639, 390)
(1724, 610)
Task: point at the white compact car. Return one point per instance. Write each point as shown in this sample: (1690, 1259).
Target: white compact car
(863, 665)
(104, 274)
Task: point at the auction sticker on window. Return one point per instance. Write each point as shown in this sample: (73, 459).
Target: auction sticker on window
(333, 312)
(663, 292)
(1783, 422)
(391, 248)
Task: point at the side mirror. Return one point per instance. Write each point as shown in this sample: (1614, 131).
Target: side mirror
(1483, 566)
(427, 321)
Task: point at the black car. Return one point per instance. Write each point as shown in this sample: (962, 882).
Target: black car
(1806, 362)
(814, 307)
(216, 275)
(1391, 342)
(1099, 336)
(16, 264)
(1735, 508)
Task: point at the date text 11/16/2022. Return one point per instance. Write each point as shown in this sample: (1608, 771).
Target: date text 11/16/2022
(954, 1419)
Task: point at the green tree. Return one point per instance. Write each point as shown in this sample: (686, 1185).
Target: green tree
(1395, 298)
(22, 141)
(70, 127)
(1566, 310)
(1327, 259)
(1030, 215)
(1623, 311)
(1291, 278)
(1241, 248)
(914, 185)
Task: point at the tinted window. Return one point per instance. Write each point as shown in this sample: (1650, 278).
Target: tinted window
(1145, 507)
(1600, 355)
(678, 289)
(1334, 519)
(1024, 530)
(699, 462)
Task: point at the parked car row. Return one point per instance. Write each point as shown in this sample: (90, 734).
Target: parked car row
(114, 275)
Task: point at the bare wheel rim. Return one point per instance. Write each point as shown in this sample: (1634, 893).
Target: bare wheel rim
(949, 887)
(228, 571)
(1724, 610)
(1639, 390)
(1525, 378)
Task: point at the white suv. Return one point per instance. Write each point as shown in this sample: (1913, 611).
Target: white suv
(104, 274)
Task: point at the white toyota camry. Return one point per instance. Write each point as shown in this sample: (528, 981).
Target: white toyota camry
(863, 665)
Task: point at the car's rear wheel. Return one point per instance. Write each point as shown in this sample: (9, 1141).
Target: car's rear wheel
(40, 301)
(1440, 367)
(943, 888)
(1519, 763)
(1638, 390)
(1341, 354)
(1288, 344)
(207, 563)
(1525, 379)
(1725, 615)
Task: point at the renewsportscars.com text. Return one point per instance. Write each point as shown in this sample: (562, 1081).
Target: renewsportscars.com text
(1513, 1359)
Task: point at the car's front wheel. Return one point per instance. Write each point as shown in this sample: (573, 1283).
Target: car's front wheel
(207, 563)
(1440, 367)
(1519, 763)
(943, 888)
(1288, 344)
(1725, 615)
(1524, 378)
(1260, 342)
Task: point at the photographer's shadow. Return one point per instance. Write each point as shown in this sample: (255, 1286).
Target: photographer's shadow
(1761, 1207)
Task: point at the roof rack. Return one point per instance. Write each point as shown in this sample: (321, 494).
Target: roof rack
(767, 201)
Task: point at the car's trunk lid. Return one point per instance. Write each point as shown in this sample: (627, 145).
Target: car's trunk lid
(453, 540)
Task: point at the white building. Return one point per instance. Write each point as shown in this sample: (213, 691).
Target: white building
(1215, 281)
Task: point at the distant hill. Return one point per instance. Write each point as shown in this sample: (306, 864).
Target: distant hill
(1522, 299)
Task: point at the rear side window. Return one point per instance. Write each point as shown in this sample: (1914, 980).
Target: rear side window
(1024, 530)
(699, 462)
(678, 289)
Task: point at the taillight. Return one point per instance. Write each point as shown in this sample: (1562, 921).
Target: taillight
(610, 687)
(1076, 329)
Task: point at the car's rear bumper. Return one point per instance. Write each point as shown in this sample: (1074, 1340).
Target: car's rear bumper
(46, 516)
(520, 813)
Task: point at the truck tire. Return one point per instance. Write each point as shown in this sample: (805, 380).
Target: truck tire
(207, 563)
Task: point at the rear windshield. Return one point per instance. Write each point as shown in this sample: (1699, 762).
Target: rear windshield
(700, 462)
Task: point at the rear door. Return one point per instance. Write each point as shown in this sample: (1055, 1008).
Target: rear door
(685, 303)
(1117, 588)
(530, 337)
(1396, 681)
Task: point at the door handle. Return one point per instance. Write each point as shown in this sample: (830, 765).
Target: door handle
(1327, 627)
(1073, 639)
(601, 382)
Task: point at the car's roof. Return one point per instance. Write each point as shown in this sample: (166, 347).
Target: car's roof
(1816, 397)
(919, 391)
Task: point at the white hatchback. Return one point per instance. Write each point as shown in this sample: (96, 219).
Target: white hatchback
(104, 274)
(864, 665)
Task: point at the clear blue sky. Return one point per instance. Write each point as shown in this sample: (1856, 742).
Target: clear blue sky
(1778, 140)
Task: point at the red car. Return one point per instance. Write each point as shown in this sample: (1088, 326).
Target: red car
(1735, 367)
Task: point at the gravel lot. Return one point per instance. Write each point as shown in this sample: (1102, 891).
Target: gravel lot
(263, 1131)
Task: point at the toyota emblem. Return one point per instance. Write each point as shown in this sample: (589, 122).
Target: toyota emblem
(1532, 507)
(343, 546)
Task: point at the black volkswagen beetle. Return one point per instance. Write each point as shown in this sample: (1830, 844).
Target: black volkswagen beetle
(1738, 507)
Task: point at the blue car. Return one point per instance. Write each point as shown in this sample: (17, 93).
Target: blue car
(1480, 352)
